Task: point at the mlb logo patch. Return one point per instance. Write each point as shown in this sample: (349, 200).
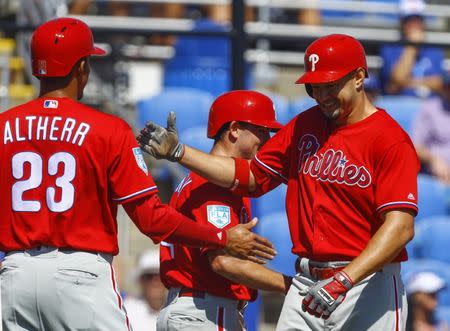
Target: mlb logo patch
(219, 216)
(140, 159)
(42, 67)
(51, 104)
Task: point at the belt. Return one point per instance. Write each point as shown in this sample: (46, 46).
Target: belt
(188, 292)
(44, 249)
(192, 293)
(319, 273)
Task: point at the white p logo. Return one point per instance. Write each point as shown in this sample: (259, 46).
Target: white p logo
(313, 58)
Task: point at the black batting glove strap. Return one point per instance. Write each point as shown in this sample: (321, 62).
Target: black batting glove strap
(177, 153)
(325, 296)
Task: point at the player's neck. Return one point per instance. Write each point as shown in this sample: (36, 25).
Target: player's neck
(219, 149)
(59, 88)
(222, 149)
(362, 109)
(55, 94)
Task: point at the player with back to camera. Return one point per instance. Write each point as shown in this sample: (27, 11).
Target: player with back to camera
(206, 285)
(351, 173)
(65, 169)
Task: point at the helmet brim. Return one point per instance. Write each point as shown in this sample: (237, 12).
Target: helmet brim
(98, 51)
(317, 77)
(273, 125)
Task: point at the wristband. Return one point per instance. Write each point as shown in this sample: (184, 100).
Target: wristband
(241, 176)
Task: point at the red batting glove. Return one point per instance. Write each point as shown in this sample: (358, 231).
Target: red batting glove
(325, 296)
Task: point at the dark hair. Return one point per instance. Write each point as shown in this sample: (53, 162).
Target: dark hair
(219, 133)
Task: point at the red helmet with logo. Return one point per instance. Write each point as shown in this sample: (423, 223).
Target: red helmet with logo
(58, 44)
(243, 106)
(330, 58)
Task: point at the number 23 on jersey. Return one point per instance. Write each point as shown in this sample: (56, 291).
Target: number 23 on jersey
(38, 170)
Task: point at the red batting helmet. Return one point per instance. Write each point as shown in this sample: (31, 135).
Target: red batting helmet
(58, 44)
(242, 106)
(330, 58)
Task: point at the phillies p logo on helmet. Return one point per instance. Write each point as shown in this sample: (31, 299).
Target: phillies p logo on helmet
(313, 58)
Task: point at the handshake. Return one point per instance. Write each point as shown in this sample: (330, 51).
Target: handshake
(163, 143)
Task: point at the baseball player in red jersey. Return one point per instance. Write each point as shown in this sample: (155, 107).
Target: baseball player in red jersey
(65, 168)
(208, 289)
(351, 199)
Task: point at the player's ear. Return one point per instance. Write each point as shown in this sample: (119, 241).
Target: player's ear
(82, 71)
(360, 75)
(84, 67)
(234, 129)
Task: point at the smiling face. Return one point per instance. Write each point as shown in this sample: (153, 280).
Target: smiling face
(337, 99)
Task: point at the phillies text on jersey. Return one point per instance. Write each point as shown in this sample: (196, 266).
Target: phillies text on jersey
(339, 180)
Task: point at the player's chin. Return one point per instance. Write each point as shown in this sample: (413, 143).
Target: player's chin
(332, 114)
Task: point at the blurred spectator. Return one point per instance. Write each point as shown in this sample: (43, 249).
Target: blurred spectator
(143, 310)
(422, 289)
(304, 16)
(78, 7)
(220, 13)
(307, 16)
(410, 69)
(142, 9)
(167, 10)
(431, 134)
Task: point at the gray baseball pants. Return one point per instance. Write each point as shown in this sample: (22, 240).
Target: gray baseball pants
(376, 303)
(48, 289)
(211, 313)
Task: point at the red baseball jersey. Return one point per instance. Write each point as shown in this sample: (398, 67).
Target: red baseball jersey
(65, 168)
(339, 180)
(215, 206)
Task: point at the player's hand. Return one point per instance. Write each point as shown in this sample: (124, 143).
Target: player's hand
(243, 243)
(324, 296)
(162, 143)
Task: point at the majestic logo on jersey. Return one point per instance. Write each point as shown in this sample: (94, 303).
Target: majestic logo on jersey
(330, 165)
(313, 58)
(140, 159)
(219, 216)
(51, 104)
(411, 196)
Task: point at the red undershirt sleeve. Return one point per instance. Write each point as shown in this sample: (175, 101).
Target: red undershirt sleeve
(161, 222)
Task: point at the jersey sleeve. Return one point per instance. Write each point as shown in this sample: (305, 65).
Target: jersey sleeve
(396, 179)
(162, 222)
(129, 177)
(270, 167)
